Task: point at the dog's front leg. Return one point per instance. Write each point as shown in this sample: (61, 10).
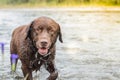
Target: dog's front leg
(27, 73)
(50, 66)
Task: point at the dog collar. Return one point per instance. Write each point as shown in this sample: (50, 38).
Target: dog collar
(39, 58)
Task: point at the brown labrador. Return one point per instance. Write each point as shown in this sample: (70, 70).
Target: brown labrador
(35, 46)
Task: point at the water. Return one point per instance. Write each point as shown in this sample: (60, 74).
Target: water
(91, 43)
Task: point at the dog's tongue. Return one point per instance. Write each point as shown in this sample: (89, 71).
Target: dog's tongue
(42, 51)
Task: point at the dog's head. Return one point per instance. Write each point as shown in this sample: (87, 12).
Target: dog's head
(44, 33)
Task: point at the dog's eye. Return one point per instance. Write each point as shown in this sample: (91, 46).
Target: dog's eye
(40, 28)
(50, 30)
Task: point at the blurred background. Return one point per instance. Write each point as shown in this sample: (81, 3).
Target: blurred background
(91, 35)
(58, 3)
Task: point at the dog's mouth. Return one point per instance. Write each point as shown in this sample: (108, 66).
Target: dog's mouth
(43, 50)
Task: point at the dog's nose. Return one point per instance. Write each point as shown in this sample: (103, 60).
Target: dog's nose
(44, 43)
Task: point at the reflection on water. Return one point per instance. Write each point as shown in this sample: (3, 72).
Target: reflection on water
(91, 44)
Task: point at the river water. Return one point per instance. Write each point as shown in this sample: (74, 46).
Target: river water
(91, 48)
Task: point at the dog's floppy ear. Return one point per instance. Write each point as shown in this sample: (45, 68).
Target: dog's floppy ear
(29, 31)
(60, 34)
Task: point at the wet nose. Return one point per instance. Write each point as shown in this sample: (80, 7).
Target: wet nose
(44, 43)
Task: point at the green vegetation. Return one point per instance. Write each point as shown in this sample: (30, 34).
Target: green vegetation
(58, 3)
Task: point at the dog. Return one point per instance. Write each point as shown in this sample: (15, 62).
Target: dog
(35, 46)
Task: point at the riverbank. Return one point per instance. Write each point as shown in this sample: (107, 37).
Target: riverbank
(56, 5)
(59, 7)
(81, 9)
